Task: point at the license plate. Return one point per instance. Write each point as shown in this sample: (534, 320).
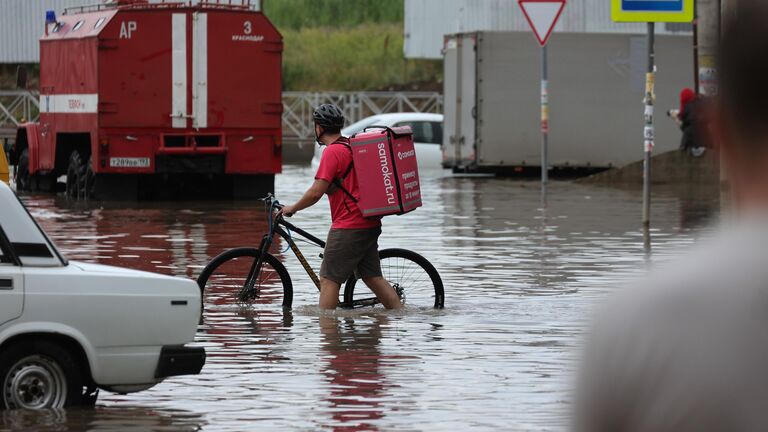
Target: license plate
(124, 162)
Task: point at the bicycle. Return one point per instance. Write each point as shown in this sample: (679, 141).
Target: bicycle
(260, 276)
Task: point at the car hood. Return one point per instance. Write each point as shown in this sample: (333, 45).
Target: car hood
(117, 271)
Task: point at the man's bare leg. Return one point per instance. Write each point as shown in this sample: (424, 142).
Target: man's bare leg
(384, 292)
(329, 294)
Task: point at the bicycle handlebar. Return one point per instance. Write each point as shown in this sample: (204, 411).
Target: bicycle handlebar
(273, 204)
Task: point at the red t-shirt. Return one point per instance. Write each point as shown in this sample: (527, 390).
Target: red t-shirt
(345, 213)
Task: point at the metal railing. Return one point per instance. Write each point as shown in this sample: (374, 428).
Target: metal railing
(298, 107)
(17, 106)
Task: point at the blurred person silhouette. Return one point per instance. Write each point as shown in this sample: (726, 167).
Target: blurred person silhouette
(692, 121)
(687, 349)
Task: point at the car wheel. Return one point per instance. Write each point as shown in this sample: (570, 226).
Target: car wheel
(38, 375)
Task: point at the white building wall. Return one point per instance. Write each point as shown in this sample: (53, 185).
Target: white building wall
(428, 21)
(22, 23)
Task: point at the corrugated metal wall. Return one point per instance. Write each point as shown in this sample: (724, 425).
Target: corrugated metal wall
(428, 21)
(22, 23)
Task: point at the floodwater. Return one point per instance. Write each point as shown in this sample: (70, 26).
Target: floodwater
(520, 281)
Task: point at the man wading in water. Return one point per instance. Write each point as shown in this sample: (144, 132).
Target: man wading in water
(352, 246)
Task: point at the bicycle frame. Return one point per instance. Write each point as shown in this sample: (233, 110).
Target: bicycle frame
(278, 229)
(278, 225)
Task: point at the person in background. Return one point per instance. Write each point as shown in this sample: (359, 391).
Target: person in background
(687, 349)
(692, 122)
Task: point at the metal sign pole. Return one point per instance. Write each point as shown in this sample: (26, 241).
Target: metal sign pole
(648, 133)
(542, 15)
(544, 115)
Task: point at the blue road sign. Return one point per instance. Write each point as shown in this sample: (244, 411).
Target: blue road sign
(652, 10)
(652, 5)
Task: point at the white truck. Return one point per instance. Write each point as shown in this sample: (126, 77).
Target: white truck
(69, 328)
(492, 92)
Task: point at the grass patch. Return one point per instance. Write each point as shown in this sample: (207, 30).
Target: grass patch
(298, 14)
(365, 57)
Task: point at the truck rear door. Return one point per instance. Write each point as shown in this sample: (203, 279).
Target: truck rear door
(244, 93)
(460, 101)
(243, 48)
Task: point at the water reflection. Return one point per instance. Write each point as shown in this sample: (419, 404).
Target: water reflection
(113, 419)
(521, 275)
(352, 364)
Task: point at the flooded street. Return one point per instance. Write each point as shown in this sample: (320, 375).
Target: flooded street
(520, 280)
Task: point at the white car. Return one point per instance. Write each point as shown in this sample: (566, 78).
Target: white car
(70, 328)
(427, 136)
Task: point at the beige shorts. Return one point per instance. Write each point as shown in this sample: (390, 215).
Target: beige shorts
(351, 252)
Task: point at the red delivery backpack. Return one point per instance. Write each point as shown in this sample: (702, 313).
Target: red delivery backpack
(384, 160)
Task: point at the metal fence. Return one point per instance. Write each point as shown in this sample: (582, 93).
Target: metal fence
(19, 106)
(298, 107)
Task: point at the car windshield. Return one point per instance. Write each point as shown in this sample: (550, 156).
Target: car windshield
(48, 240)
(359, 126)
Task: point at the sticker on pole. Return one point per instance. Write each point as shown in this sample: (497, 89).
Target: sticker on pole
(652, 10)
(542, 15)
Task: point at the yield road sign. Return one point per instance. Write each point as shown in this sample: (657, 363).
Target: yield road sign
(652, 10)
(542, 15)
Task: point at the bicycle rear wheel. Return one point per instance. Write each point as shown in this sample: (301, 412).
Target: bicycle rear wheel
(416, 280)
(226, 275)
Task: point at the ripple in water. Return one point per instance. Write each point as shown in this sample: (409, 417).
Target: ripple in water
(520, 279)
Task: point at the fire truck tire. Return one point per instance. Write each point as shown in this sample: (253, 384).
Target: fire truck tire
(88, 181)
(75, 174)
(23, 180)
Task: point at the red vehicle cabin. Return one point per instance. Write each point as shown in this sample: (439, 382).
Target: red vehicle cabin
(139, 97)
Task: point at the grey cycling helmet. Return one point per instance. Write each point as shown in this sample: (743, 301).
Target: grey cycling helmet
(329, 116)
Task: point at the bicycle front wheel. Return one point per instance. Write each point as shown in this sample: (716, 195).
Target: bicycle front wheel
(415, 279)
(226, 277)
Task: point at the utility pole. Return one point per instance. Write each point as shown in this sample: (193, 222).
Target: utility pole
(727, 9)
(649, 131)
(708, 33)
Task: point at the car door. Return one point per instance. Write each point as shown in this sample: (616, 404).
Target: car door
(428, 152)
(11, 284)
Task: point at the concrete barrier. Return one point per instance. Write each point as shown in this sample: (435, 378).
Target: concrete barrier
(670, 168)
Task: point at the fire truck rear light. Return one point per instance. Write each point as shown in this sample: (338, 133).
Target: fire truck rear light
(104, 146)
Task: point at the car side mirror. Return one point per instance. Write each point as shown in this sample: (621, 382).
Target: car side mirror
(21, 77)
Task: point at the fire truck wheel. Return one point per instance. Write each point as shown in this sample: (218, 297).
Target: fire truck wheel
(75, 175)
(87, 181)
(22, 172)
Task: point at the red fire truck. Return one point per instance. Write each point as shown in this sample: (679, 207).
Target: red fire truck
(140, 98)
